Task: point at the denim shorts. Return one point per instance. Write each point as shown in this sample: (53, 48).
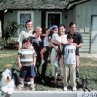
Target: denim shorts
(28, 71)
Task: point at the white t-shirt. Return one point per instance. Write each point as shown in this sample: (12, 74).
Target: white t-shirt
(63, 38)
(55, 37)
(46, 43)
(23, 35)
(70, 57)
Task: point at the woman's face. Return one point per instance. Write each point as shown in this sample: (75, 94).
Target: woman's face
(62, 30)
(29, 26)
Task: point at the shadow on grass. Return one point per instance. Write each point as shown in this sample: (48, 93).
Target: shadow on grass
(49, 82)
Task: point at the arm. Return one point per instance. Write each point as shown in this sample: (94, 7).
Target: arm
(34, 59)
(19, 63)
(51, 44)
(79, 45)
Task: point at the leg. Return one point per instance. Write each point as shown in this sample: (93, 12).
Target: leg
(44, 66)
(77, 66)
(65, 77)
(42, 52)
(38, 62)
(53, 59)
(73, 76)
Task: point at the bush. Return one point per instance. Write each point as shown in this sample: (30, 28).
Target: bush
(11, 44)
(10, 29)
(2, 42)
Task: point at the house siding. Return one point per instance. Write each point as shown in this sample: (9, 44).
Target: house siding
(10, 16)
(37, 18)
(83, 16)
(13, 16)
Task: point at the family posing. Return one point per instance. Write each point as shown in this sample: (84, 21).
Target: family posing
(63, 49)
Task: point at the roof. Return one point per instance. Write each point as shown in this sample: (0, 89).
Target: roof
(35, 4)
(38, 4)
(75, 2)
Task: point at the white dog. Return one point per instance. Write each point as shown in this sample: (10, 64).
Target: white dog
(7, 82)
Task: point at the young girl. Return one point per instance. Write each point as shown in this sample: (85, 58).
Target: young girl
(26, 63)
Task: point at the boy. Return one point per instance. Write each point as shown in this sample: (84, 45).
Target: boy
(70, 63)
(26, 62)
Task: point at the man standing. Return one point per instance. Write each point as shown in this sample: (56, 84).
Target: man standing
(77, 38)
(25, 34)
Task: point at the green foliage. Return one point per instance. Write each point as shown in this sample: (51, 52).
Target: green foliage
(10, 29)
(2, 42)
(11, 44)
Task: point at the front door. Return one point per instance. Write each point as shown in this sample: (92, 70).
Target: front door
(53, 18)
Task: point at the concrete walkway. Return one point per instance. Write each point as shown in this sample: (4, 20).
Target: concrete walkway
(51, 94)
(88, 55)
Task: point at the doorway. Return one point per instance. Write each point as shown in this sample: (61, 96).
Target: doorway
(53, 18)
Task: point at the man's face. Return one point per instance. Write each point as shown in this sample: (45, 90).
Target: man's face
(29, 26)
(73, 28)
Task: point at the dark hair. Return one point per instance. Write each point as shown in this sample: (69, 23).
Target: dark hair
(28, 21)
(27, 40)
(69, 36)
(71, 23)
(62, 25)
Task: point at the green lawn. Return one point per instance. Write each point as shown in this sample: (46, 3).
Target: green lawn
(88, 69)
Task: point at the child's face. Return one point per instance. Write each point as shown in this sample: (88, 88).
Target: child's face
(56, 30)
(70, 40)
(27, 44)
(47, 32)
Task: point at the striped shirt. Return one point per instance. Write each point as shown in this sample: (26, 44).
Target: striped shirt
(26, 56)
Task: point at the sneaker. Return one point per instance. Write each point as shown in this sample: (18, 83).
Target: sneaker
(65, 88)
(56, 64)
(74, 89)
(43, 81)
(20, 87)
(33, 87)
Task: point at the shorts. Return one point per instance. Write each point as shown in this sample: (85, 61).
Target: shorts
(47, 47)
(27, 71)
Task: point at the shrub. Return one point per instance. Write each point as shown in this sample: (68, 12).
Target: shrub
(10, 29)
(11, 44)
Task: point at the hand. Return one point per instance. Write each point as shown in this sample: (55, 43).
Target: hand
(56, 47)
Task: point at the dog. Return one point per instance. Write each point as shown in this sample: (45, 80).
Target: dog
(83, 83)
(7, 84)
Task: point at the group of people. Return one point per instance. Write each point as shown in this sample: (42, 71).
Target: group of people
(63, 48)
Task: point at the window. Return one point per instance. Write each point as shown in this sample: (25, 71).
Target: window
(23, 16)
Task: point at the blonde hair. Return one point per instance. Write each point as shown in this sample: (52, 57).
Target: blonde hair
(38, 29)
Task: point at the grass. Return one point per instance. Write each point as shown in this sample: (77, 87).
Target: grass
(88, 69)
